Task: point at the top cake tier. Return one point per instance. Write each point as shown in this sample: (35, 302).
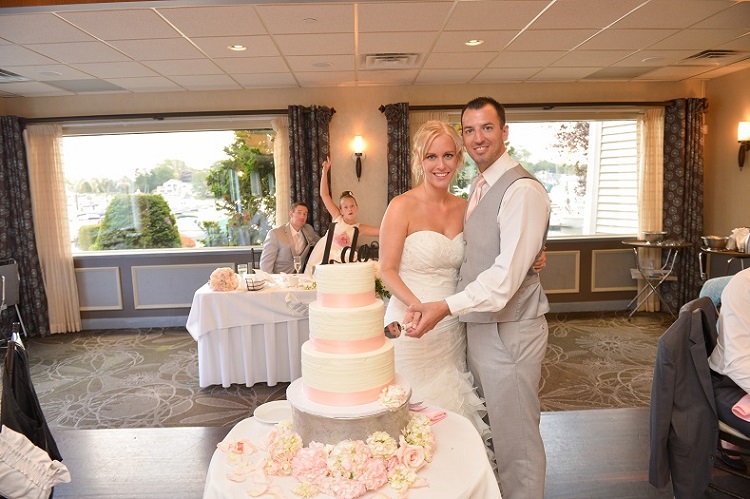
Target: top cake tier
(342, 285)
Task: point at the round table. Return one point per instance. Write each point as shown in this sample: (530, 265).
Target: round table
(459, 468)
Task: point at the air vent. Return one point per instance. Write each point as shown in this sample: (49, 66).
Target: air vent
(391, 61)
(713, 54)
(8, 77)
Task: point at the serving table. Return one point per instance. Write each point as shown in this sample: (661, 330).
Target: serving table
(249, 336)
(459, 469)
(654, 277)
(731, 255)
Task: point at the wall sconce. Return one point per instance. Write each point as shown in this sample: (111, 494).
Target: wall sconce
(743, 137)
(358, 146)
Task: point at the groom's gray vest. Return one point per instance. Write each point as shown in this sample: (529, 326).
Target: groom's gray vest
(482, 248)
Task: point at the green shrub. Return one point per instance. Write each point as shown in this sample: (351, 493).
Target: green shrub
(137, 221)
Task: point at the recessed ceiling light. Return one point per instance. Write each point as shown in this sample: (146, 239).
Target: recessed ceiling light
(309, 20)
(652, 59)
(50, 73)
(237, 48)
(474, 43)
(322, 64)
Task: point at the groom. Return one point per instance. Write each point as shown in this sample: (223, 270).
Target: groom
(501, 298)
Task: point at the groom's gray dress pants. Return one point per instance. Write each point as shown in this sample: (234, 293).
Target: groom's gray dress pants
(506, 360)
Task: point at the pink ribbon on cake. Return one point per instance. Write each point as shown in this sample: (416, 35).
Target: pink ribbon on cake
(343, 399)
(345, 301)
(347, 346)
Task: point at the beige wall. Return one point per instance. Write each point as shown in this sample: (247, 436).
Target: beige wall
(356, 114)
(727, 194)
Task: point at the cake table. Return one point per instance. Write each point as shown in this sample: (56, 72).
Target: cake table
(459, 469)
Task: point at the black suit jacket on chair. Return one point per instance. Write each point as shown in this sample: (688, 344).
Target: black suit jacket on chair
(683, 421)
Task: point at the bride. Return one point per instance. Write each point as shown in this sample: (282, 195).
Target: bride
(421, 250)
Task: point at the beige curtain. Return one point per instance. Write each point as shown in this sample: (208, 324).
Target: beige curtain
(281, 167)
(650, 190)
(51, 228)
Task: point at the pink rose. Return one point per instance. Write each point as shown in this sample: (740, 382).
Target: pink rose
(411, 456)
(342, 240)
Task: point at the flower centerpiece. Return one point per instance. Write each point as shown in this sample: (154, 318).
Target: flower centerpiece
(223, 279)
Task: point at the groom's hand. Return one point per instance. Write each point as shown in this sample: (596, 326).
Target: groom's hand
(428, 315)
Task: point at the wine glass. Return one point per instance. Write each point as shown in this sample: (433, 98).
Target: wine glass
(297, 264)
(241, 269)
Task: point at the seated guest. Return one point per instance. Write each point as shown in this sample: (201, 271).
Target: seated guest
(730, 360)
(282, 244)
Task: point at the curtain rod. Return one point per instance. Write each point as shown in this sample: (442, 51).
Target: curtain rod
(158, 116)
(546, 106)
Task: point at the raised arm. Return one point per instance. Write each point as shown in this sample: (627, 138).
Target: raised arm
(325, 191)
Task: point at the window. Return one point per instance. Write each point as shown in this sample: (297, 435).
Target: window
(589, 168)
(186, 189)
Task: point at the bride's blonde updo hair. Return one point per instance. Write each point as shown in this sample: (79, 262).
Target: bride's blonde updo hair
(423, 139)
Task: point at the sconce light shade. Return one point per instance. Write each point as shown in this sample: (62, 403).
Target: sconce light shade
(358, 145)
(743, 137)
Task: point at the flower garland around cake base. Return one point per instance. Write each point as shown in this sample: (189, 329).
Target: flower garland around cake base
(345, 470)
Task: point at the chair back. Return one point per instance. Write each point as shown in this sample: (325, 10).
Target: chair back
(713, 288)
(10, 283)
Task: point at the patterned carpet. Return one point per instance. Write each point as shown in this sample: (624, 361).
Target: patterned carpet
(149, 378)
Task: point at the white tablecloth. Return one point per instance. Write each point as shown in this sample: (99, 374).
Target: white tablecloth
(459, 469)
(248, 336)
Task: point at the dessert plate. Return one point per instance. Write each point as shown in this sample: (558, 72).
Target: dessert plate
(273, 412)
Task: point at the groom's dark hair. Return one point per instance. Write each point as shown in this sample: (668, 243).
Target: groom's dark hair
(480, 102)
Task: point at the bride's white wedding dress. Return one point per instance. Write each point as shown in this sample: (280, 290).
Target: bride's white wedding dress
(435, 365)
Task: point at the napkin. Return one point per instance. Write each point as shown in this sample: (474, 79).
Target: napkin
(434, 415)
(742, 408)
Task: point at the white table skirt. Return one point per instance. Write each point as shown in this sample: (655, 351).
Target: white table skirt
(248, 336)
(459, 469)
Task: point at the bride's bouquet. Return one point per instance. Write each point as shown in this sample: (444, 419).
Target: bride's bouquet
(223, 279)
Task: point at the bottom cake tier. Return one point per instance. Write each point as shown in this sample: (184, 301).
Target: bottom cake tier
(329, 425)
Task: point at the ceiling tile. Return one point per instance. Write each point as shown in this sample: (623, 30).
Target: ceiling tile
(537, 59)
(205, 82)
(326, 79)
(490, 15)
(147, 84)
(735, 17)
(391, 77)
(410, 42)
(333, 43)
(326, 63)
(253, 65)
(455, 41)
(214, 21)
(72, 53)
(116, 69)
(13, 55)
(505, 74)
(563, 74)
(559, 39)
(132, 24)
(625, 39)
(741, 43)
(677, 14)
(590, 58)
(184, 67)
(618, 73)
(401, 16)
(698, 39)
(87, 86)
(650, 58)
(445, 60)
(40, 28)
(258, 46)
(320, 18)
(434, 76)
(265, 80)
(158, 49)
(33, 89)
(49, 72)
(584, 13)
(673, 73)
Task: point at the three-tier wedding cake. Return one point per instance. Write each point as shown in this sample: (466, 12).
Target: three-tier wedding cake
(347, 362)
